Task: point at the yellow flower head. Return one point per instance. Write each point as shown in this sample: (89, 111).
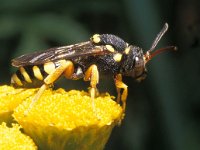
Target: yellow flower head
(62, 120)
(10, 98)
(13, 139)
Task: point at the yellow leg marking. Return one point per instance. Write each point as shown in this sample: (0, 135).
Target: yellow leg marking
(25, 74)
(58, 71)
(51, 78)
(120, 85)
(36, 97)
(119, 78)
(69, 71)
(37, 73)
(92, 74)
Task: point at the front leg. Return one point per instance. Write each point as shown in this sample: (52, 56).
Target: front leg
(120, 85)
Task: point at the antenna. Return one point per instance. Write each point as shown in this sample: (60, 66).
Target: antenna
(148, 56)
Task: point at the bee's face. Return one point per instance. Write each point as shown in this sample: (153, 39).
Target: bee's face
(134, 64)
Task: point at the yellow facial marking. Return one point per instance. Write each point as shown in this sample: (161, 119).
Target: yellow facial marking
(25, 74)
(127, 50)
(110, 48)
(49, 67)
(37, 73)
(15, 79)
(96, 38)
(117, 57)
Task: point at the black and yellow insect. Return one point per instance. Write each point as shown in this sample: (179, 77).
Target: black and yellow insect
(104, 54)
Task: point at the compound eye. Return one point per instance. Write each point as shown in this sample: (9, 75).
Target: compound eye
(139, 69)
(95, 38)
(138, 62)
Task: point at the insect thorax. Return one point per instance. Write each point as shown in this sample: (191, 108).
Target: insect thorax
(113, 40)
(124, 59)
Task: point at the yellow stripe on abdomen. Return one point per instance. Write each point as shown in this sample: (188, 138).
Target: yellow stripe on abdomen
(25, 75)
(16, 80)
(49, 67)
(37, 73)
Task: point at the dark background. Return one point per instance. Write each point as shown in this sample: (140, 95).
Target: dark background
(163, 111)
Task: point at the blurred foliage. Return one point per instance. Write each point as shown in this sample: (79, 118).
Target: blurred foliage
(162, 111)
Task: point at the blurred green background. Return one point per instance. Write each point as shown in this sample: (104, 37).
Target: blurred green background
(163, 111)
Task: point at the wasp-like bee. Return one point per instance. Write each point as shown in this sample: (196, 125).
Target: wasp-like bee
(104, 54)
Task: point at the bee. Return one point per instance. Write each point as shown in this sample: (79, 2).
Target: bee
(104, 54)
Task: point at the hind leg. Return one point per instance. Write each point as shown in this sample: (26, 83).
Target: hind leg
(65, 67)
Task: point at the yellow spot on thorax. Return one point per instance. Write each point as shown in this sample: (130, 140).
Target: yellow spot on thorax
(49, 67)
(117, 57)
(127, 50)
(25, 75)
(96, 38)
(110, 48)
(37, 73)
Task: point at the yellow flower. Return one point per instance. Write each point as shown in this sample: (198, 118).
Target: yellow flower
(13, 139)
(10, 98)
(65, 120)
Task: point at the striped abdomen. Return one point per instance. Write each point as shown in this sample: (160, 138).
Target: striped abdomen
(32, 76)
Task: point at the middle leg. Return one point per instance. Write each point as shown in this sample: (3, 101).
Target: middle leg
(92, 75)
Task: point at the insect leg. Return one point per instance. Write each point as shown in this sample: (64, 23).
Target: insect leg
(92, 74)
(119, 78)
(64, 66)
(36, 97)
(120, 85)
